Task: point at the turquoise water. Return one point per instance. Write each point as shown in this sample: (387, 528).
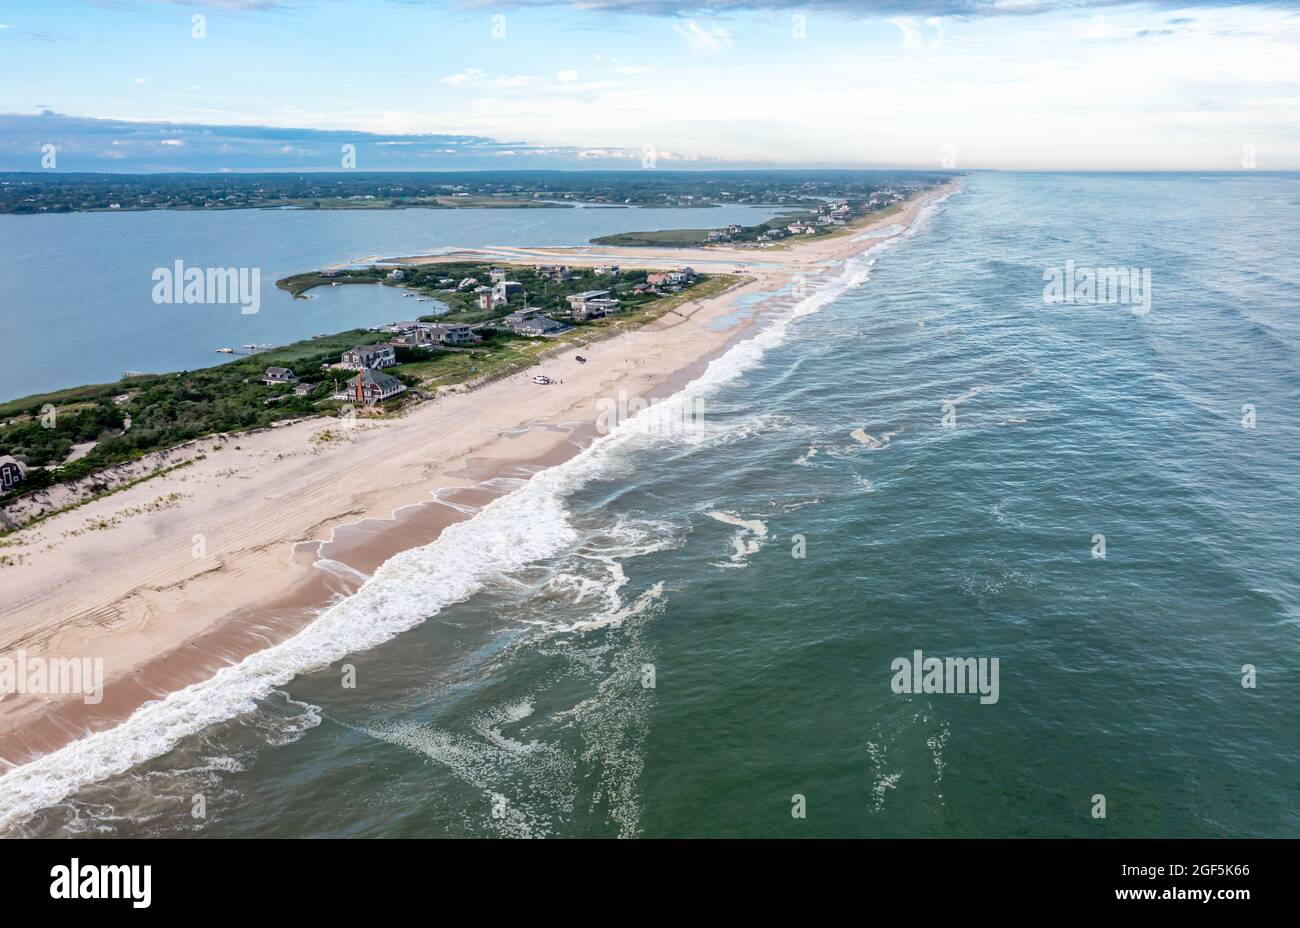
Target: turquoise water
(505, 690)
(77, 305)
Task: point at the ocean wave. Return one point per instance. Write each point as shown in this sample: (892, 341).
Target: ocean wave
(505, 536)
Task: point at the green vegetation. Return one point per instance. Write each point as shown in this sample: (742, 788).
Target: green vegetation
(165, 410)
(439, 282)
(679, 238)
(372, 202)
(135, 416)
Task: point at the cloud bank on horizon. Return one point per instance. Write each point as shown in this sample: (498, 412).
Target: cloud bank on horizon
(86, 144)
(169, 85)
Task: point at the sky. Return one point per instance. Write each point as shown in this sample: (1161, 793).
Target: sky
(162, 85)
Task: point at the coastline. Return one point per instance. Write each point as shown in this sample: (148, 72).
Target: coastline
(291, 523)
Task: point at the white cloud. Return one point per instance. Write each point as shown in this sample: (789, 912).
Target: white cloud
(477, 77)
(911, 31)
(703, 40)
(464, 77)
(566, 75)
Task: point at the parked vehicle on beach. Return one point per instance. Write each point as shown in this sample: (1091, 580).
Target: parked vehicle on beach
(543, 379)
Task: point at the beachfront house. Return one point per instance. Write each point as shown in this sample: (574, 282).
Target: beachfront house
(274, 375)
(303, 389)
(532, 324)
(396, 274)
(369, 357)
(12, 473)
(450, 334)
(453, 334)
(497, 274)
(466, 283)
(671, 278)
(556, 272)
(436, 334)
(595, 308)
(371, 387)
(503, 290)
(578, 301)
(606, 270)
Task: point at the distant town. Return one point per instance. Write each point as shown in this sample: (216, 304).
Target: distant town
(55, 192)
(822, 217)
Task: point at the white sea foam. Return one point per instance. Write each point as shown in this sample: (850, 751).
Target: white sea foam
(341, 570)
(590, 579)
(508, 534)
(746, 542)
(622, 614)
(862, 438)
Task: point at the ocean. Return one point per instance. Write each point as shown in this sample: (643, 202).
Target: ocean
(78, 302)
(692, 628)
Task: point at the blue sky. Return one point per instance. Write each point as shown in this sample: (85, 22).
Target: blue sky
(1038, 84)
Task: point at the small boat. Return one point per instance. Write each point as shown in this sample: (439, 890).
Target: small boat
(225, 351)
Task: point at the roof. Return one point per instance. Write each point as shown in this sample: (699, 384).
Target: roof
(10, 459)
(384, 382)
(370, 349)
(278, 370)
(541, 323)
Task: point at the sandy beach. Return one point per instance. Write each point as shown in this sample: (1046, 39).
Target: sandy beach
(183, 574)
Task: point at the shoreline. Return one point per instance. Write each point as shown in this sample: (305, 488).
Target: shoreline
(277, 511)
